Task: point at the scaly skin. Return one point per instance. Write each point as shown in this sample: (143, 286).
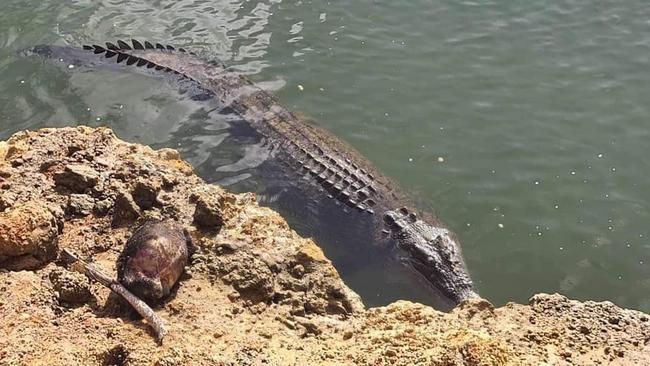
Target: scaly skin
(335, 168)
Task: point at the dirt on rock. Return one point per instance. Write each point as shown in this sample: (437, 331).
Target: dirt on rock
(254, 293)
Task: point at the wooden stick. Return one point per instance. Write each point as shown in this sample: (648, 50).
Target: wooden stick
(94, 273)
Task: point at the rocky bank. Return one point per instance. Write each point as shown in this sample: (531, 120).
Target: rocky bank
(255, 293)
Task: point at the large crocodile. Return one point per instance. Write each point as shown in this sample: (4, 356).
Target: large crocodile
(334, 170)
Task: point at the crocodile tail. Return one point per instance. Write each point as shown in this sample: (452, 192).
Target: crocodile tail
(123, 52)
(146, 57)
(134, 53)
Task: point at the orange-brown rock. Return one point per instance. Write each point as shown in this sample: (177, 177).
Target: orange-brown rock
(28, 236)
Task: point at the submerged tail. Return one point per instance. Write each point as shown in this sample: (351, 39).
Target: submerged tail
(154, 59)
(92, 55)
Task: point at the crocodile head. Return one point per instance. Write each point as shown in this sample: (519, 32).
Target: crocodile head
(433, 252)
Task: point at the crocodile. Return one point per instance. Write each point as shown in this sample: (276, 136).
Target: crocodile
(329, 169)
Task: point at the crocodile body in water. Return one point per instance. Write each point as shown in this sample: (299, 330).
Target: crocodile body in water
(321, 165)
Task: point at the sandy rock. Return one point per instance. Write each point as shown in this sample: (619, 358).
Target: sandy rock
(28, 236)
(80, 205)
(103, 206)
(207, 213)
(125, 210)
(77, 178)
(145, 193)
(7, 199)
(253, 280)
(71, 287)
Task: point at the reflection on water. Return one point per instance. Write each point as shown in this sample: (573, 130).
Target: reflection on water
(523, 124)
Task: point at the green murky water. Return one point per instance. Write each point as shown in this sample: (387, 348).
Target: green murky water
(524, 124)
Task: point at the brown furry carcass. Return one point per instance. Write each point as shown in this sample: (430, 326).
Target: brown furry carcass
(153, 259)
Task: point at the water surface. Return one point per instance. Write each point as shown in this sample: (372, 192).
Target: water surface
(522, 124)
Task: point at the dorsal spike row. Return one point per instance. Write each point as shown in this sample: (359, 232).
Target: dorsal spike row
(131, 60)
(123, 45)
(98, 49)
(137, 45)
(111, 50)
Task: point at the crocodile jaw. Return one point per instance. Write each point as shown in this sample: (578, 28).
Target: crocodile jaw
(433, 252)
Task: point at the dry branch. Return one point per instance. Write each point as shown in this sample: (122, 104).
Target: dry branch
(95, 273)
